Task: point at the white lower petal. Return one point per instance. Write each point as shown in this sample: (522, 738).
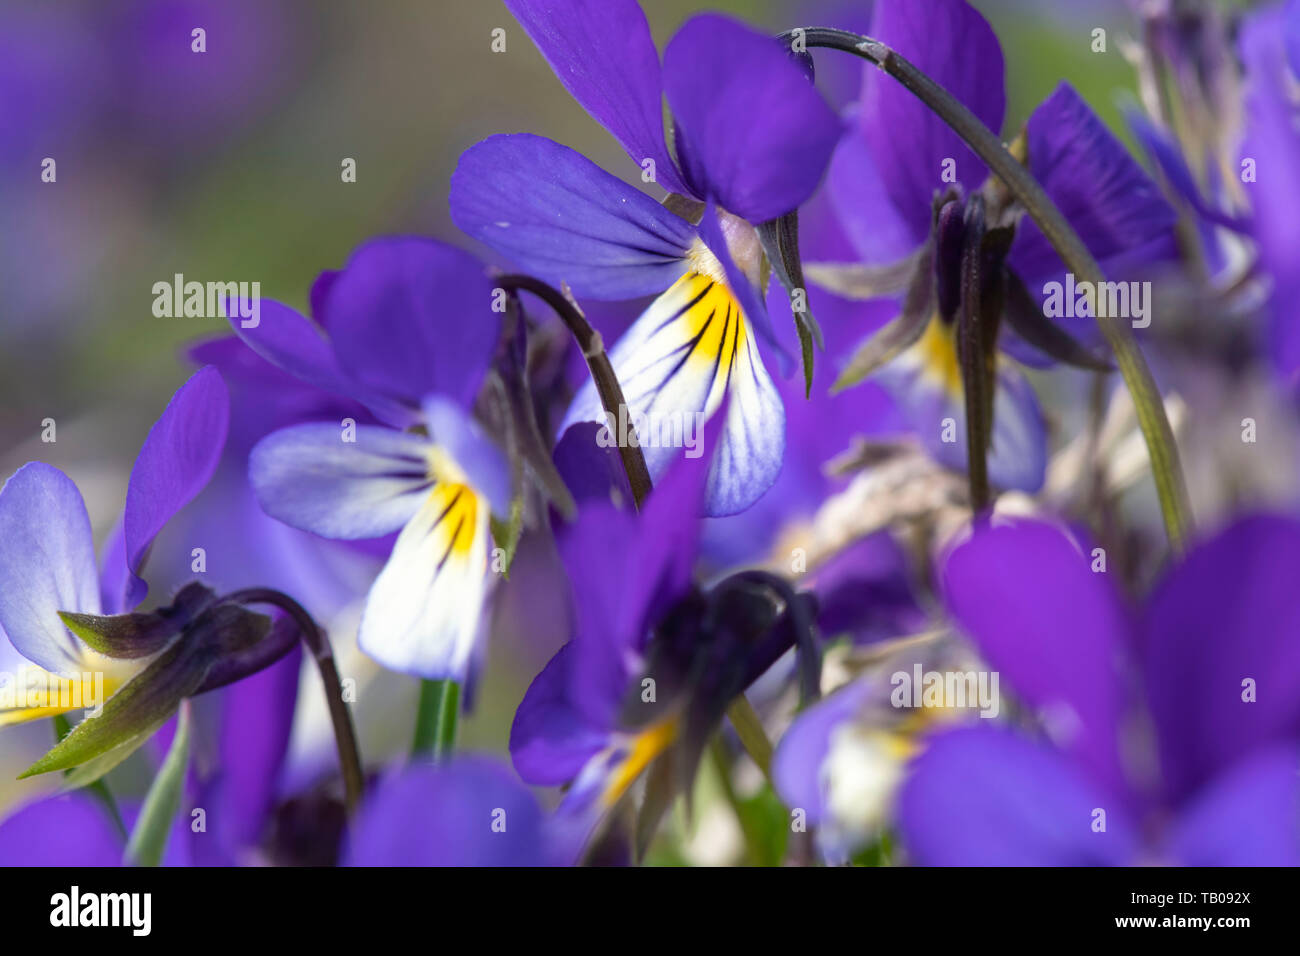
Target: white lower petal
(686, 353)
(424, 612)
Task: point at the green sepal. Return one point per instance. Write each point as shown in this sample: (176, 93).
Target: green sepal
(506, 534)
(132, 714)
(780, 240)
(140, 634)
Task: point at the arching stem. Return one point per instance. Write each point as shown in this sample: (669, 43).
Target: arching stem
(345, 736)
(602, 373)
(1159, 437)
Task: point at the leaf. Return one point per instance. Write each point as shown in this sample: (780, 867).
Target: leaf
(661, 788)
(152, 827)
(506, 534)
(766, 823)
(130, 716)
(899, 334)
(780, 241)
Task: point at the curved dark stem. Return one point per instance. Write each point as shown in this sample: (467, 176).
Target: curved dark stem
(313, 636)
(602, 373)
(1159, 437)
(976, 357)
(268, 651)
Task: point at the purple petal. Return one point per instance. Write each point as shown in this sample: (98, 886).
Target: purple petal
(603, 53)
(561, 217)
(865, 591)
(752, 132)
(878, 231)
(319, 293)
(471, 812)
(289, 340)
(310, 478)
(1272, 140)
(177, 459)
(292, 342)
(410, 316)
(955, 46)
(119, 589)
(628, 570)
(1227, 614)
(256, 719)
(47, 565)
(452, 430)
(68, 830)
(550, 741)
(1006, 586)
(1292, 36)
(265, 398)
(590, 472)
(598, 551)
(988, 797)
(1247, 818)
(1115, 207)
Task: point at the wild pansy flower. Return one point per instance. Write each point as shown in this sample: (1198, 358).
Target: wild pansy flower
(411, 335)
(1202, 683)
(652, 663)
(752, 138)
(244, 547)
(47, 555)
(920, 208)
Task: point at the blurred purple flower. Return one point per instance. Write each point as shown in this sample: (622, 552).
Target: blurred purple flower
(411, 335)
(1268, 42)
(470, 812)
(626, 571)
(47, 558)
(48, 89)
(1209, 668)
(182, 100)
(887, 173)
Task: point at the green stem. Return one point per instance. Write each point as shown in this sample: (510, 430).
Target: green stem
(749, 728)
(435, 721)
(753, 844)
(1159, 436)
